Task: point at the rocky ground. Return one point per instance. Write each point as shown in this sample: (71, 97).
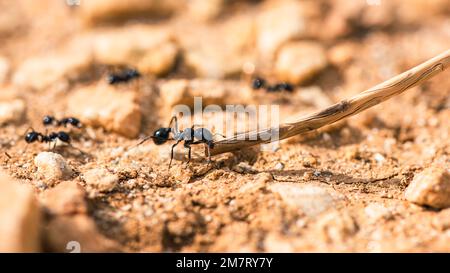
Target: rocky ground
(377, 182)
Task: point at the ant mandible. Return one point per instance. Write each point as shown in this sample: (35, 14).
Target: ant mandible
(50, 120)
(190, 136)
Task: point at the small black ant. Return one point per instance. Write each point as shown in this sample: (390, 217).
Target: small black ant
(259, 83)
(190, 136)
(34, 136)
(50, 120)
(124, 76)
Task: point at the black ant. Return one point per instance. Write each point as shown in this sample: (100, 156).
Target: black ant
(124, 76)
(50, 120)
(34, 136)
(259, 83)
(62, 136)
(284, 86)
(190, 136)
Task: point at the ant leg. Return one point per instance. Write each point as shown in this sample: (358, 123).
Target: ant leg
(171, 152)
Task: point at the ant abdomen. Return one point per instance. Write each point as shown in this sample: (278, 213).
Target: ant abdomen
(203, 134)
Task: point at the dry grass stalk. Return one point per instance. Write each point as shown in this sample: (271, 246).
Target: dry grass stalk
(341, 110)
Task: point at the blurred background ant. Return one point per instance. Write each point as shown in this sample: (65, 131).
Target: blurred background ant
(259, 83)
(123, 76)
(52, 121)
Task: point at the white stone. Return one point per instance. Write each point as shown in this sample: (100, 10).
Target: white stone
(52, 166)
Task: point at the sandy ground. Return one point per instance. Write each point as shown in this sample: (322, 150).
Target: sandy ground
(339, 189)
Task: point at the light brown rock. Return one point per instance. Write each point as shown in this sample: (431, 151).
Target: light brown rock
(341, 54)
(431, 188)
(52, 167)
(298, 62)
(234, 39)
(310, 199)
(280, 22)
(12, 111)
(336, 226)
(20, 217)
(101, 179)
(76, 233)
(159, 60)
(175, 92)
(66, 198)
(205, 10)
(44, 70)
(103, 105)
(151, 49)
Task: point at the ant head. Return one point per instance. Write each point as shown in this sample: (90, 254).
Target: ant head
(48, 120)
(32, 137)
(161, 135)
(63, 136)
(258, 83)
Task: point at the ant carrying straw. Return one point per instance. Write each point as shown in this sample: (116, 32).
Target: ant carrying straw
(190, 136)
(52, 121)
(123, 76)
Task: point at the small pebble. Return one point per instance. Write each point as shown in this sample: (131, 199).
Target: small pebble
(101, 179)
(52, 166)
(431, 188)
(279, 166)
(379, 158)
(12, 111)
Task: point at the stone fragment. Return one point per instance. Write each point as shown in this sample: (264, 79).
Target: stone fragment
(151, 49)
(176, 92)
(431, 188)
(105, 106)
(298, 62)
(310, 199)
(76, 234)
(52, 167)
(279, 22)
(66, 198)
(12, 111)
(20, 217)
(336, 227)
(101, 179)
(41, 71)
